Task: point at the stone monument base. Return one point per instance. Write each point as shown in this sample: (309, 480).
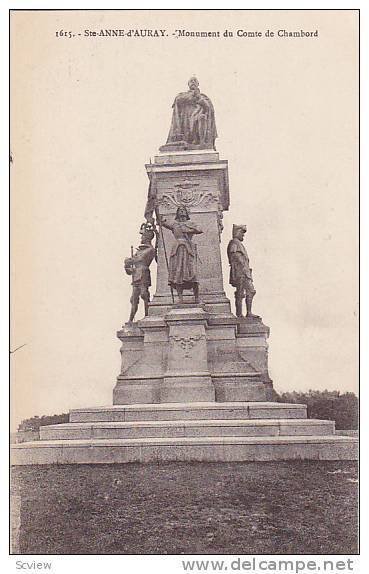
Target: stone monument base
(190, 355)
(194, 387)
(217, 432)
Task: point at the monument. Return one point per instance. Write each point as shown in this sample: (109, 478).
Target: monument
(194, 381)
(190, 346)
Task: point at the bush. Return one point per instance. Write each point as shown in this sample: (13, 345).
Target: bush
(36, 422)
(328, 405)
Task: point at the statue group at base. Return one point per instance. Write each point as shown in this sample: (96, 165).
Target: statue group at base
(183, 264)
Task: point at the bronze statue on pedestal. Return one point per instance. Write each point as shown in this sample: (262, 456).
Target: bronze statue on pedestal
(182, 265)
(240, 272)
(138, 267)
(193, 120)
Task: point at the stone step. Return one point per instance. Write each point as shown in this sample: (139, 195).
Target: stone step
(187, 428)
(214, 449)
(189, 411)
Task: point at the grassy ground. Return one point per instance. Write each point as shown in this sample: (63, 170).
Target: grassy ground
(190, 508)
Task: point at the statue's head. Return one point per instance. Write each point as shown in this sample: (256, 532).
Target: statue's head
(193, 83)
(182, 213)
(147, 233)
(238, 231)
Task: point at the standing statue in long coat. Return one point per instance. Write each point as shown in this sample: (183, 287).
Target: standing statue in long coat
(193, 120)
(182, 272)
(240, 275)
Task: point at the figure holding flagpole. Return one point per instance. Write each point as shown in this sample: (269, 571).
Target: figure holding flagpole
(182, 264)
(159, 218)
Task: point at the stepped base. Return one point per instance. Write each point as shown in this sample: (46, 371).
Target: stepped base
(187, 428)
(185, 411)
(209, 449)
(205, 431)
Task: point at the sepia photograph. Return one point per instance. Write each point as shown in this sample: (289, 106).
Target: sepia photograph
(184, 276)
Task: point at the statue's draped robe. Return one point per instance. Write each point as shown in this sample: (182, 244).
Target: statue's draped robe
(183, 257)
(193, 120)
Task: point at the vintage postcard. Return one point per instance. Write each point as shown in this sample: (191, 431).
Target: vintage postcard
(184, 285)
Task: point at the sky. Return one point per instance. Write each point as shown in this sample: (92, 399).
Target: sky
(89, 112)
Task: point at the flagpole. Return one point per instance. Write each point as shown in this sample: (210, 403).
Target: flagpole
(165, 249)
(152, 201)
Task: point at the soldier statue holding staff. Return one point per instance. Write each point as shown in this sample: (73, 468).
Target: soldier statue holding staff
(240, 271)
(138, 267)
(182, 265)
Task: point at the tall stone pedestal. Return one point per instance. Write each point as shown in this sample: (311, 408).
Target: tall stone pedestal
(192, 353)
(198, 180)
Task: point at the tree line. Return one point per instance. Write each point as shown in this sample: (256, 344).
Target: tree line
(343, 408)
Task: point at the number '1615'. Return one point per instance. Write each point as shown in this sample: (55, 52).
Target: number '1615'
(63, 34)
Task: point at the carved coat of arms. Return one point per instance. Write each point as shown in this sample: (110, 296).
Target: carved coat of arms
(188, 194)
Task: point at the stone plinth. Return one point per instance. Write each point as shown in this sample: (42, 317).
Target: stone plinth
(190, 355)
(187, 377)
(144, 356)
(239, 363)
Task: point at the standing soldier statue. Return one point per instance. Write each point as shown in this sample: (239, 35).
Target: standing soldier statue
(138, 267)
(240, 271)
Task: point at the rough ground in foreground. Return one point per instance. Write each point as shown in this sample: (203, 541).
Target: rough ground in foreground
(292, 507)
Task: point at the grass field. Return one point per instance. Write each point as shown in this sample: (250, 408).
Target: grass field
(186, 508)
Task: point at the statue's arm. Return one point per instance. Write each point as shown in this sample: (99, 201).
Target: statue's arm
(166, 224)
(242, 264)
(128, 265)
(204, 102)
(151, 256)
(197, 231)
(194, 229)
